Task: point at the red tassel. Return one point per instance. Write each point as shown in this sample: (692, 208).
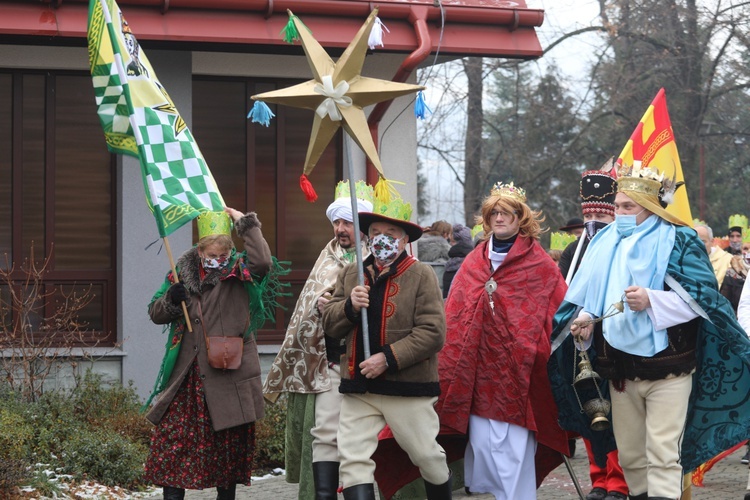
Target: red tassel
(307, 188)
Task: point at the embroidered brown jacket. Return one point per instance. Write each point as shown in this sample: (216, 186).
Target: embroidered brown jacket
(406, 322)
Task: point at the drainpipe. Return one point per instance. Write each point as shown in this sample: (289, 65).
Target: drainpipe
(418, 17)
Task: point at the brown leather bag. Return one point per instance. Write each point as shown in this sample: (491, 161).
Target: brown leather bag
(224, 353)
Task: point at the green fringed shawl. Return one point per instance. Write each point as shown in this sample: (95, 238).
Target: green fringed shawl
(263, 294)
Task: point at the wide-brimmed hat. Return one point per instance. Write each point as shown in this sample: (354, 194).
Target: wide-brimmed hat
(646, 186)
(396, 212)
(574, 223)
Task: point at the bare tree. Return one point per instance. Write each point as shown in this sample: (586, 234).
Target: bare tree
(33, 344)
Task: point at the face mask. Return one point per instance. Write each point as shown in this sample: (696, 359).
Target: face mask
(735, 245)
(214, 263)
(593, 227)
(384, 247)
(626, 223)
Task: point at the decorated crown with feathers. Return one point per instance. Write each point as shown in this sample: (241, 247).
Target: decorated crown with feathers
(667, 186)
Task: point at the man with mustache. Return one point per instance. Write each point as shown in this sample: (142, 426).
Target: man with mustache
(307, 365)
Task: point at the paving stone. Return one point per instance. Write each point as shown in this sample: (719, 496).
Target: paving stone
(727, 480)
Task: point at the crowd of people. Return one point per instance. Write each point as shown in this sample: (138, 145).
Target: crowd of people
(415, 353)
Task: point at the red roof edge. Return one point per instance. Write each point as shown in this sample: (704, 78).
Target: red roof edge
(494, 29)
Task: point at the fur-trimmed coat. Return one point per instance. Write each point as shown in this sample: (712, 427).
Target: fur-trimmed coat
(233, 397)
(406, 322)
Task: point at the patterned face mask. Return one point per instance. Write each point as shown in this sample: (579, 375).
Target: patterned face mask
(384, 247)
(210, 264)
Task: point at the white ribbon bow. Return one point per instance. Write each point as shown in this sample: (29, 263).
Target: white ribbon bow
(335, 97)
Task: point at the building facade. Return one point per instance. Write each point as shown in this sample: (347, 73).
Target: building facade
(63, 193)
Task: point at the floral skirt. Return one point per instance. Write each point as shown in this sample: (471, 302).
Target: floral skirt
(187, 453)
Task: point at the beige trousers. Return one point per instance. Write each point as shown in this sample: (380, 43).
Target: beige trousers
(327, 409)
(414, 424)
(648, 419)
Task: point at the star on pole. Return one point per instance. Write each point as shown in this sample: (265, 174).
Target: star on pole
(338, 93)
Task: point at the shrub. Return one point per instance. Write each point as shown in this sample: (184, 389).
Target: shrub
(270, 436)
(106, 457)
(114, 408)
(93, 431)
(16, 440)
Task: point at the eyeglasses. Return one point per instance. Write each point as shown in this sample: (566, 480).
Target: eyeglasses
(502, 213)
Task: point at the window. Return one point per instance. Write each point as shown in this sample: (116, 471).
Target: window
(258, 168)
(57, 193)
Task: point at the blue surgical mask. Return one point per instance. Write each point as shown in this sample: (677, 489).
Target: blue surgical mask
(625, 224)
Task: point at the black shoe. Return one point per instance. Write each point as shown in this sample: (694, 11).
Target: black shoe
(597, 494)
(615, 495)
(440, 491)
(745, 458)
(326, 478)
(747, 495)
(642, 496)
(360, 492)
(226, 493)
(173, 493)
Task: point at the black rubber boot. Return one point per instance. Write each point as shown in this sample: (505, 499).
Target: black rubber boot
(360, 492)
(326, 477)
(440, 491)
(226, 493)
(173, 493)
(642, 496)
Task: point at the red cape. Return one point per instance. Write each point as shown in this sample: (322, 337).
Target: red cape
(493, 365)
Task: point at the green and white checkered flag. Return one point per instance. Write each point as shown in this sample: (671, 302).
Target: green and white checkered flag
(139, 119)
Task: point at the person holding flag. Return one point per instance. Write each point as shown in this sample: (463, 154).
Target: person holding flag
(204, 415)
(205, 411)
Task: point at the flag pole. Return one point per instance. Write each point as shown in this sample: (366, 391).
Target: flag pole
(357, 247)
(177, 280)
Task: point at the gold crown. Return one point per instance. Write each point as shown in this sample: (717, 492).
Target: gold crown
(642, 173)
(738, 220)
(210, 223)
(515, 192)
(649, 187)
(560, 241)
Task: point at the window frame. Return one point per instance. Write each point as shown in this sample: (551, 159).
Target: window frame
(54, 278)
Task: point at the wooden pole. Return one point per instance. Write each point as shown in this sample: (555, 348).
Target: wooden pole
(177, 280)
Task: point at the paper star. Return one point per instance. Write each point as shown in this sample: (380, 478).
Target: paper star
(338, 93)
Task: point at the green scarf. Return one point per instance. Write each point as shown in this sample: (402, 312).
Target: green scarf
(263, 297)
